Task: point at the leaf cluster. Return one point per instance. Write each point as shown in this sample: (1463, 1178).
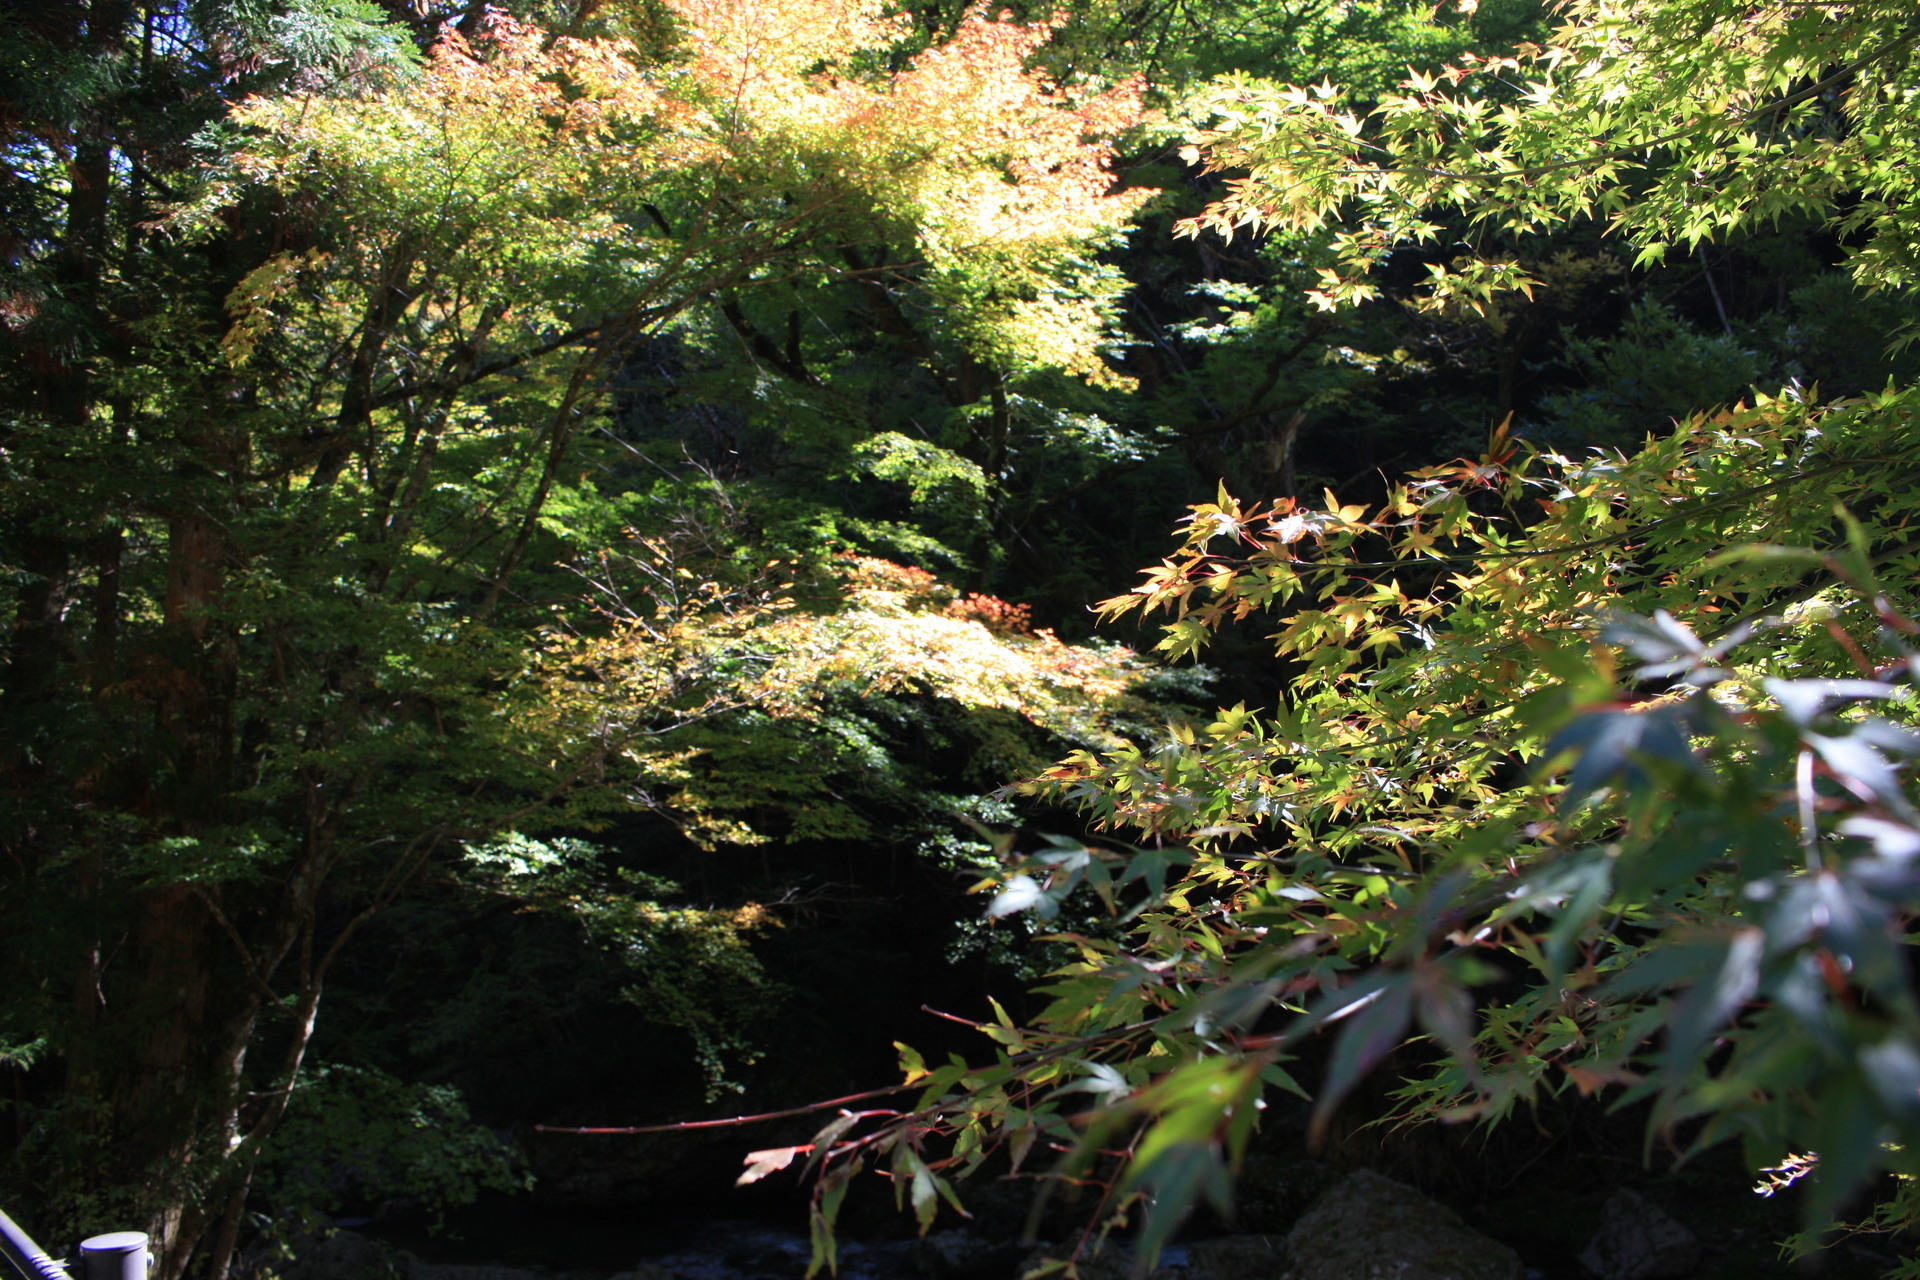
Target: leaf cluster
(1590, 778)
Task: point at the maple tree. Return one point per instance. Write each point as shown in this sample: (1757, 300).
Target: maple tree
(310, 402)
(1038, 465)
(350, 342)
(1669, 123)
(1677, 841)
(1592, 774)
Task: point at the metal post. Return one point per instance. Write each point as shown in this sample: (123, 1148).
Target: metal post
(118, 1255)
(31, 1260)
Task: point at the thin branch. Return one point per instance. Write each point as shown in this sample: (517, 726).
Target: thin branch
(733, 1121)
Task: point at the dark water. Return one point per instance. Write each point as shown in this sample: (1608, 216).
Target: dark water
(723, 1250)
(769, 1242)
(689, 1243)
(656, 1246)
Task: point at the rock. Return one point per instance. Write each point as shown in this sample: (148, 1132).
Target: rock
(1638, 1240)
(1247, 1257)
(340, 1255)
(1369, 1227)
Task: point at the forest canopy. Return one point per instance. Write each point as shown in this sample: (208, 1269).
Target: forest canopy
(332, 566)
(640, 475)
(1589, 770)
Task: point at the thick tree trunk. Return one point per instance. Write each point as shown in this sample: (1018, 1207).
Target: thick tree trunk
(182, 1009)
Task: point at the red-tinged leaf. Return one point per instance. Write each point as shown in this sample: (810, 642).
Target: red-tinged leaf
(772, 1160)
(1593, 1079)
(1022, 1145)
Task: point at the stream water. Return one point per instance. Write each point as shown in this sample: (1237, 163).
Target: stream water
(657, 1245)
(518, 1239)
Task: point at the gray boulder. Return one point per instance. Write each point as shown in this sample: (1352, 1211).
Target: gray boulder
(1638, 1240)
(1369, 1227)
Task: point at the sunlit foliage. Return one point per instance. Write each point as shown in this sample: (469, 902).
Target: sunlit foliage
(1592, 774)
(308, 411)
(1671, 123)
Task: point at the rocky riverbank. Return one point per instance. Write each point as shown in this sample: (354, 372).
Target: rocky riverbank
(1361, 1226)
